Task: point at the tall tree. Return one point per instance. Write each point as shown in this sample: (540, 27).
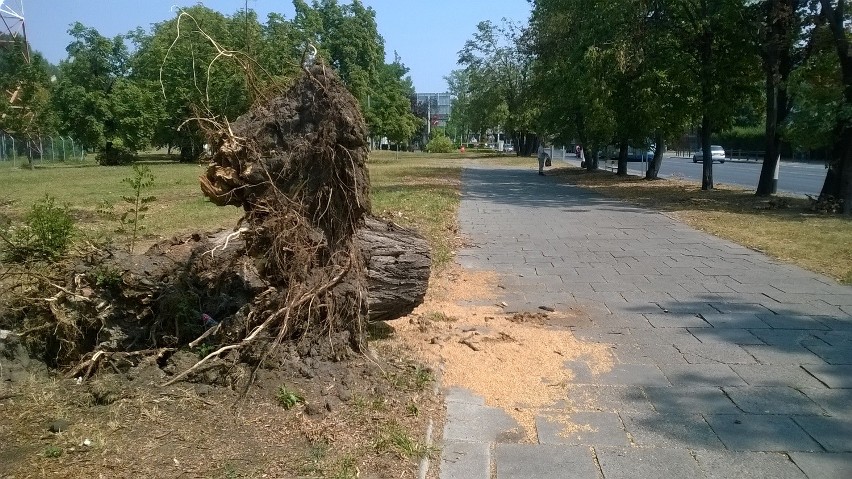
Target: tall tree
(781, 34)
(717, 35)
(838, 182)
(197, 79)
(389, 107)
(499, 64)
(95, 100)
(25, 109)
(347, 36)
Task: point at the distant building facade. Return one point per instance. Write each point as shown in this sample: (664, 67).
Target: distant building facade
(435, 105)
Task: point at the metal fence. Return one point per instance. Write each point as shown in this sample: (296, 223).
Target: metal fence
(19, 150)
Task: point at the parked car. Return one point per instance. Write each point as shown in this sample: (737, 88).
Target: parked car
(717, 153)
(508, 148)
(640, 154)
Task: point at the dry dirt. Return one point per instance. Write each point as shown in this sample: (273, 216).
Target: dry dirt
(515, 361)
(361, 418)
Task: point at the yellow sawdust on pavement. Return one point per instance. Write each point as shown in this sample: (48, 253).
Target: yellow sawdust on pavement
(516, 365)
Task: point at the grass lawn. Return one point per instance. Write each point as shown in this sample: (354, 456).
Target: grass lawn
(422, 191)
(87, 188)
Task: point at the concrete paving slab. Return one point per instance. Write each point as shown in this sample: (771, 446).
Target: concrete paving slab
(833, 434)
(787, 338)
(735, 320)
(710, 375)
(824, 465)
(717, 353)
(543, 461)
(772, 400)
(581, 428)
(790, 355)
(761, 433)
(792, 321)
(724, 335)
(672, 431)
(623, 375)
(833, 376)
(627, 399)
(635, 462)
(836, 402)
(776, 375)
(474, 423)
(670, 320)
(752, 465)
(465, 460)
(641, 354)
(690, 400)
(558, 244)
(456, 394)
(838, 355)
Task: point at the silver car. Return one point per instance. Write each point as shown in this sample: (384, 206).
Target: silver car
(717, 153)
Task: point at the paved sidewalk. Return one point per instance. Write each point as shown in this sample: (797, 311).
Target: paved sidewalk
(729, 364)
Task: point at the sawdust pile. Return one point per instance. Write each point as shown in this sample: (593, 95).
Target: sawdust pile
(518, 366)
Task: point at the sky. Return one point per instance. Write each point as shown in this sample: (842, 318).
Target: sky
(427, 34)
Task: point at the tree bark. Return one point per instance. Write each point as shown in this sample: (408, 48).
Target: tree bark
(398, 266)
(838, 182)
(778, 64)
(706, 55)
(656, 162)
(622, 157)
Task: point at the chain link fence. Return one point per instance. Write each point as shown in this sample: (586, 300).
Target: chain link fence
(19, 150)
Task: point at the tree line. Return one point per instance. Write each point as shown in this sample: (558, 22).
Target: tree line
(637, 73)
(161, 88)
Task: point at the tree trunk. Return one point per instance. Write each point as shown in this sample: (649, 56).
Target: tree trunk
(778, 64)
(398, 266)
(157, 298)
(707, 171)
(838, 181)
(653, 172)
(622, 157)
(706, 51)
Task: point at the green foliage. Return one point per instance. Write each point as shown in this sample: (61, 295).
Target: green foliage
(389, 113)
(817, 91)
(498, 77)
(31, 112)
(205, 349)
(440, 144)
(141, 180)
(95, 100)
(288, 398)
(742, 138)
(346, 469)
(394, 437)
(115, 155)
(52, 451)
(106, 277)
(45, 234)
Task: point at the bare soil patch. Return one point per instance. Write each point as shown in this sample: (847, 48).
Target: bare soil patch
(364, 417)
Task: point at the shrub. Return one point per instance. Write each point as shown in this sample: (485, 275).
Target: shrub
(440, 144)
(45, 234)
(115, 154)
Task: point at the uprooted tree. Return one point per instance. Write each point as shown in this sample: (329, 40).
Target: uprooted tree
(307, 263)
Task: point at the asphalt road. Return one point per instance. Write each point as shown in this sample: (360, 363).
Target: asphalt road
(794, 178)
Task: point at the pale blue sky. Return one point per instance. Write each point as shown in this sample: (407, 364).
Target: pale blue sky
(427, 34)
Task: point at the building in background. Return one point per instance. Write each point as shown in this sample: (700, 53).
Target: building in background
(435, 107)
